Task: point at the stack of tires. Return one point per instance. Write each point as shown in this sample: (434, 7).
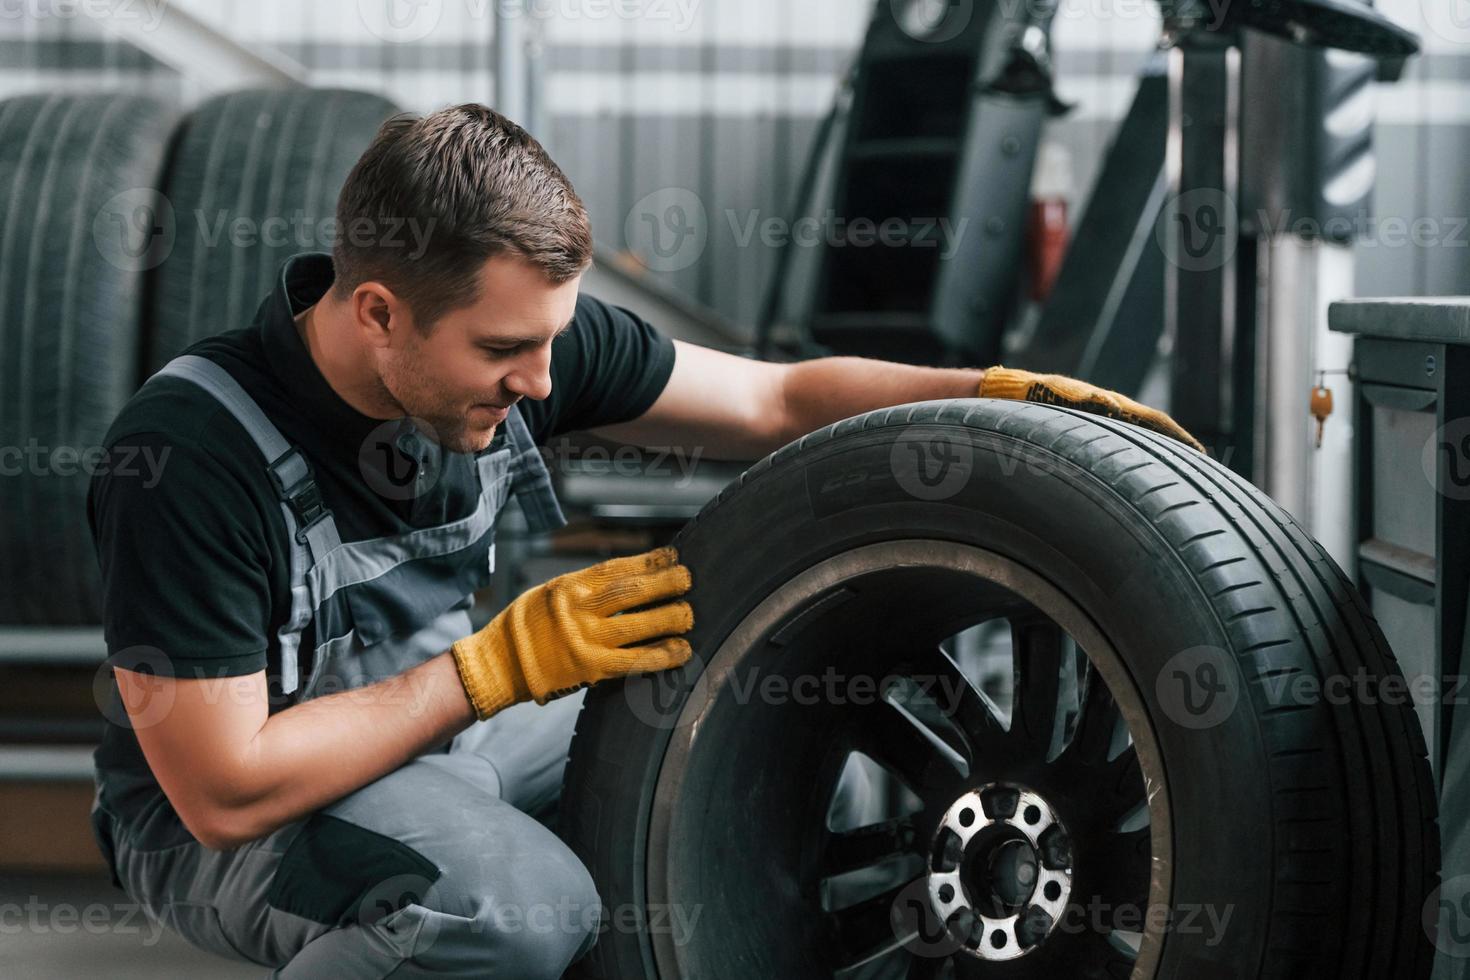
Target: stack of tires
(128, 231)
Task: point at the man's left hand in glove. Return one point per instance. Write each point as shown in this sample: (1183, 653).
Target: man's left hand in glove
(1057, 389)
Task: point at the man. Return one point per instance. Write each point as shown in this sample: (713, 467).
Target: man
(313, 762)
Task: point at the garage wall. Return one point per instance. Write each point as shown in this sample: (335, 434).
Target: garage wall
(41, 52)
(722, 98)
(1423, 141)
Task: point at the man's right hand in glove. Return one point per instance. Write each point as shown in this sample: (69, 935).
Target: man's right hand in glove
(576, 630)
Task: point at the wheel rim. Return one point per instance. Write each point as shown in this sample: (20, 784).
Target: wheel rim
(999, 872)
(762, 878)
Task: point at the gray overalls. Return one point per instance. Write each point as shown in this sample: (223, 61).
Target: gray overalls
(439, 868)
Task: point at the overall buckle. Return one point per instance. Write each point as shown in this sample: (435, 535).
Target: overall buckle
(292, 476)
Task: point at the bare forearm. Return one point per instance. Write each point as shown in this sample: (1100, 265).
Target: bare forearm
(320, 750)
(822, 391)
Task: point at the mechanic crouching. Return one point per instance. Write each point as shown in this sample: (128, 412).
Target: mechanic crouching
(312, 761)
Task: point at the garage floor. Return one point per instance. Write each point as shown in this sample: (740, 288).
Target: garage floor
(64, 927)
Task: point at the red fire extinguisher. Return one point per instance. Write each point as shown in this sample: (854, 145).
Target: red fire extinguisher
(1047, 235)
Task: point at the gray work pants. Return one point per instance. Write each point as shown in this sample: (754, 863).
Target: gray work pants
(441, 868)
(509, 898)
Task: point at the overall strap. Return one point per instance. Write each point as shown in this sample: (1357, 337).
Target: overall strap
(530, 479)
(311, 531)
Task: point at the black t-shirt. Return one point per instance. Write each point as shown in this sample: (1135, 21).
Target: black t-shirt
(188, 529)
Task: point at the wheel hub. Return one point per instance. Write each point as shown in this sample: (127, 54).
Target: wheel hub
(1000, 871)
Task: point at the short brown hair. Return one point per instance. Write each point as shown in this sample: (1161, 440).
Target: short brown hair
(478, 185)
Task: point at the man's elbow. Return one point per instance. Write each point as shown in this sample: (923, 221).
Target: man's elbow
(218, 828)
(221, 816)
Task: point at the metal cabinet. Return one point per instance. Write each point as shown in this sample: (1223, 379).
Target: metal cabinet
(1412, 420)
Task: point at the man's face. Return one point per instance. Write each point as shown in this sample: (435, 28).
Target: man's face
(478, 360)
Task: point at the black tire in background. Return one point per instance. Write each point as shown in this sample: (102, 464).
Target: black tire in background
(79, 226)
(251, 179)
(1309, 819)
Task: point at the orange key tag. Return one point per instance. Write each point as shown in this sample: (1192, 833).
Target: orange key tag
(1321, 408)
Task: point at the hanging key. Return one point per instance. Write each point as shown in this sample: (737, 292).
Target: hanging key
(1321, 407)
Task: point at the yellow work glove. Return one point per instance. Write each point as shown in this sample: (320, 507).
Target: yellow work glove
(575, 630)
(1058, 389)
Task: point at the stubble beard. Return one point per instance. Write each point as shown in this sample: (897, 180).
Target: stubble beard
(409, 384)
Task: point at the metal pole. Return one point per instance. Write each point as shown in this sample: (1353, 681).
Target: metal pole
(510, 62)
(1201, 161)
